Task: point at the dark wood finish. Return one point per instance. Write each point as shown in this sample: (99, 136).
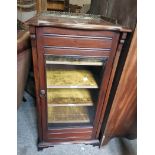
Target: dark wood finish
(125, 12)
(78, 51)
(76, 42)
(32, 30)
(68, 139)
(23, 66)
(42, 81)
(105, 102)
(77, 32)
(86, 41)
(23, 60)
(50, 144)
(37, 85)
(83, 23)
(70, 135)
(104, 86)
(69, 130)
(122, 117)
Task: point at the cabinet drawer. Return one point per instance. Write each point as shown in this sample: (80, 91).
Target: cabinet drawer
(69, 134)
(76, 51)
(55, 37)
(87, 135)
(76, 41)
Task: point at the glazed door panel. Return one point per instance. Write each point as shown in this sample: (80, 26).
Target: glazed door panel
(72, 84)
(72, 89)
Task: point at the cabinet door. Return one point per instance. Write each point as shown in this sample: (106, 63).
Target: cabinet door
(72, 87)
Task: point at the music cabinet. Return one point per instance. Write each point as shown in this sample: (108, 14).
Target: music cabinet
(74, 59)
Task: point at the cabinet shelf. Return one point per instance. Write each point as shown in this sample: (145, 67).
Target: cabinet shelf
(71, 97)
(70, 114)
(70, 78)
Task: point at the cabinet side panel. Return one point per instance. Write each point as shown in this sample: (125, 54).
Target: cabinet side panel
(104, 85)
(36, 77)
(122, 117)
(104, 113)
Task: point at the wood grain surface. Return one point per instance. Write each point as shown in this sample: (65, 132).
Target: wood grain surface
(122, 117)
(124, 12)
(92, 30)
(76, 21)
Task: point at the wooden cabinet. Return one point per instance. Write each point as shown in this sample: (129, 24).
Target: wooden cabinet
(74, 60)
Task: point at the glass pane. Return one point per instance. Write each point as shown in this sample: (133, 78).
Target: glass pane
(71, 97)
(70, 114)
(70, 77)
(72, 89)
(75, 60)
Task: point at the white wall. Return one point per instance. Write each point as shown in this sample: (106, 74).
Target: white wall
(80, 2)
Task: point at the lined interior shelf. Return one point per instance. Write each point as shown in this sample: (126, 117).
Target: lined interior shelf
(71, 97)
(70, 114)
(70, 78)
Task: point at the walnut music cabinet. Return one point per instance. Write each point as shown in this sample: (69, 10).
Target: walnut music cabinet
(74, 59)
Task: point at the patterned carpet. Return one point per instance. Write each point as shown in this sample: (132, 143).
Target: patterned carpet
(27, 138)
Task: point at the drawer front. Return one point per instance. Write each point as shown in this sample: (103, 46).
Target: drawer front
(70, 134)
(76, 41)
(77, 51)
(55, 37)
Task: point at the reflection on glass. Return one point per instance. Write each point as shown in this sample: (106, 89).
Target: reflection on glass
(71, 97)
(70, 78)
(70, 114)
(75, 60)
(72, 89)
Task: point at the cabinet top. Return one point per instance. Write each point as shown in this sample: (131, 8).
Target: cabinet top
(75, 21)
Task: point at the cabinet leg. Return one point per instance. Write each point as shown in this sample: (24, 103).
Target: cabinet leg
(24, 99)
(40, 148)
(105, 140)
(131, 136)
(43, 145)
(94, 143)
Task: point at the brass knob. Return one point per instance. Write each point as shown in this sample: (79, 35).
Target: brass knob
(42, 93)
